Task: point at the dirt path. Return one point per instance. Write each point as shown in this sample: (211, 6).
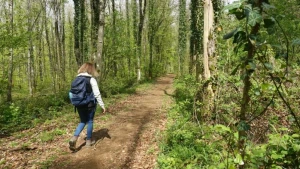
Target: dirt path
(133, 130)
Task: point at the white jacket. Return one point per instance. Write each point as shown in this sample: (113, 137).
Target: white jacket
(95, 88)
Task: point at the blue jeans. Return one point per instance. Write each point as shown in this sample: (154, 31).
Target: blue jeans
(86, 117)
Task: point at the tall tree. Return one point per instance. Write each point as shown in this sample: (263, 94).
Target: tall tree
(114, 30)
(142, 11)
(128, 29)
(11, 57)
(182, 35)
(196, 28)
(208, 52)
(30, 63)
(95, 14)
(99, 58)
(78, 56)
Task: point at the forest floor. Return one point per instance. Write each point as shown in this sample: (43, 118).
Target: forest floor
(127, 136)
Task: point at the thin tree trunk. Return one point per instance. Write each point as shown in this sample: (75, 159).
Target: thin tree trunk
(99, 59)
(182, 36)
(63, 43)
(58, 46)
(50, 54)
(139, 36)
(10, 67)
(30, 67)
(82, 30)
(114, 37)
(78, 56)
(135, 28)
(129, 37)
(195, 39)
(246, 90)
(94, 26)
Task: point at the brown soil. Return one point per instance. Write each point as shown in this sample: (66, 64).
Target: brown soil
(129, 138)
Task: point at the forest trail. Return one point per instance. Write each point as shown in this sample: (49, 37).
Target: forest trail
(133, 130)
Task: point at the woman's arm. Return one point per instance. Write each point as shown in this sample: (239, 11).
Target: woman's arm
(96, 92)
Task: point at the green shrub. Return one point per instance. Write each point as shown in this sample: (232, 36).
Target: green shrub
(25, 113)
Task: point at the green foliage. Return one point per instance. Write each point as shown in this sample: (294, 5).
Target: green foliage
(185, 87)
(113, 86)
(282, 151)
(187, 144)
(25, 113)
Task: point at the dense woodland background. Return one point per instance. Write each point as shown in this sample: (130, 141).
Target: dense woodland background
(237, 66)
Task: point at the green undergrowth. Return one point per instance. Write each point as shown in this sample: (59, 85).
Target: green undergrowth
(26, 112)
(190, 145)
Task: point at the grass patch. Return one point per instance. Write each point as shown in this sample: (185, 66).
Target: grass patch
(46, 136)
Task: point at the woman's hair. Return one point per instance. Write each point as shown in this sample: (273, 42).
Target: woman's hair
(88, 68)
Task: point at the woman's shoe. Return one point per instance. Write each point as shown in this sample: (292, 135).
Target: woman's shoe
(72, 143)
(89, 143)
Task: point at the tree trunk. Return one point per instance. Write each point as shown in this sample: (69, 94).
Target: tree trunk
(30, 67)
(246, 90)
(78, 56)
(99, 59)
(50, 54)
(196, 38)
(58, 44)
(129, 37)
(182, 36)
(208, 52)
(63, 43)
(11, 57)
(114, 60)
(94, 26)
(142, 11)
(82, 30)
(135, 29)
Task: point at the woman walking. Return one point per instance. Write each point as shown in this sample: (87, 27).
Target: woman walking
(87, 112)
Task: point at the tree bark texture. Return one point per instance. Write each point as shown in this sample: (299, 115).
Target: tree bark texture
(11, 57)
(247, 87)
(99, 58)
(208, 52)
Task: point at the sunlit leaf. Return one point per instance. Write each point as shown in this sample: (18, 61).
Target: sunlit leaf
(238, 159)
(265, 86)
(234, 5)
(254, 17)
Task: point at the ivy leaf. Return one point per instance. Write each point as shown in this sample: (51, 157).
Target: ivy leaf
(269, 66)
(269, 22)
(254, 17)
(296, 42)
(243, 126)
(239, 36)
(251, 66)
(256, 91)
(230, 34)
(234, 5)
(267, 6)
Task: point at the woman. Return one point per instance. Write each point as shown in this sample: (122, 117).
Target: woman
(87, 113)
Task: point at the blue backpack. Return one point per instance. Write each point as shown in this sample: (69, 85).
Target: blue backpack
(81, 93)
